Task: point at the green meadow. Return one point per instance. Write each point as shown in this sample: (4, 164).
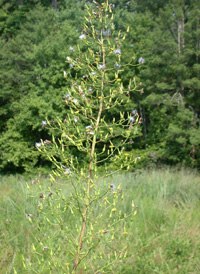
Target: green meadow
(164, 236)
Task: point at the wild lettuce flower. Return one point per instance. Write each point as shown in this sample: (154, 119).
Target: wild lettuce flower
(132, 119)
(75, 101)
(67, 171)
(68, 58)
(117, 51)
(38, 144)
(90, 89)
(44, 123)
(75, 119)
(134, 111)
(100, 67)
(88, 127)
(71, 48)
(80, 89)
(93, 73)
(141, 60)
(117, 66)
(82, 36)
(67, 96)
(72, 65)
(112, 187)
(106, 32)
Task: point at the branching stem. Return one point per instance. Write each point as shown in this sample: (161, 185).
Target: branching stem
(77, 260)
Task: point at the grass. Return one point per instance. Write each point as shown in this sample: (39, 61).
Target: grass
(164, 236)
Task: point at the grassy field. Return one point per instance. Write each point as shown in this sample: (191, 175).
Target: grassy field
(164, 236)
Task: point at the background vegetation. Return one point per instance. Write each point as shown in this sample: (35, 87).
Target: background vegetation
(164, 234)
(36, 37)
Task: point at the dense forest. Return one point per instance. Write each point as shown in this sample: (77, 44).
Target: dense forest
(164, 44)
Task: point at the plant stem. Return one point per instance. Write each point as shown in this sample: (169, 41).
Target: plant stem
(76, 262)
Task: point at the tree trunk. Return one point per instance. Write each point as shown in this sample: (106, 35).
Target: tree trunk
(54, 4)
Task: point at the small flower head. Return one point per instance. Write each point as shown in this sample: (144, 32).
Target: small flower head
(67, 171)
(45, 248)
(42, 196)
(67, 96)
(75, 119)
(82, 36)
(44, 123)
(100, 67)
(47, 142)
(132, 119)
(68, 58)
(117, 66)
(106, 33)
(117, 52)
(93, 73)
(38, 144)
(134, 111)
(72, 65)
(71, 48)
(88, 127)
(112, 187)
(141, 60)
(75, 101)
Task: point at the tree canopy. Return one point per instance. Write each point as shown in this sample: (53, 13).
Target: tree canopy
(164, 44)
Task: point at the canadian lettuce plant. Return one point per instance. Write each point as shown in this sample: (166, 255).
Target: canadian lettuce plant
(80, 208)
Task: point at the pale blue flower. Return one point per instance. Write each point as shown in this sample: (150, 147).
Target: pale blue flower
(117, 51)
(112, 187)
(44, 123)
(100, 67)
(82, 36)
(88, 127)
(75, 101)
(67, 96)
(117, 66)
(38, 144)
(141, 60)
(67, 171)
(134, 111)
(72, 65)
(75, 119)
(71, 48)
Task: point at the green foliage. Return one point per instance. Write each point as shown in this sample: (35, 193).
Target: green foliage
(164, 235)
(99, 123)
(35, 41)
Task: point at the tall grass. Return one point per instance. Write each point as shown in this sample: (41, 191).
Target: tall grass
(164, 236)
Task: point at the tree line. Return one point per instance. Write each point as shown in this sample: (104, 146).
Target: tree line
(164, 45)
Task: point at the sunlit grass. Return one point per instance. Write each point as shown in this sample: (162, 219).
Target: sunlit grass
(164, 236)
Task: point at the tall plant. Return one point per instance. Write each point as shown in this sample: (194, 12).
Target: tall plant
(87, 222)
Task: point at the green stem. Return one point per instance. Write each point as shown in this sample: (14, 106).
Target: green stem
(77, 260)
